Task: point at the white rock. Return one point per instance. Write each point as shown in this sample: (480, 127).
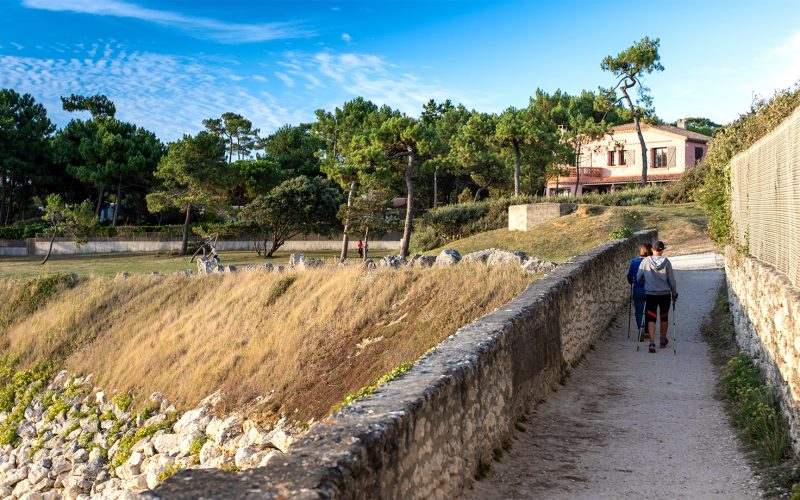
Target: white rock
(100, 398)
(36, 473)
(281, 440)
(185, 446)
(31, 496)
(212, 400)
(230, 427)
(505, 258)
(135, 483)
(5, 491)
(164, 443)
(243, 456)
(60, 465)
(448, 257)
(255, 437)
(210, 451)
(189, 417)
(15, 477)
(126, 471)
(262, 458)
(80, 456)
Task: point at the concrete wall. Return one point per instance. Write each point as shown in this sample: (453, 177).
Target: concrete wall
(425, 434)
(766, 316)
(114, 246)
(524, 217)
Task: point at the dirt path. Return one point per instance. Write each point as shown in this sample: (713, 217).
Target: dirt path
(632, 424)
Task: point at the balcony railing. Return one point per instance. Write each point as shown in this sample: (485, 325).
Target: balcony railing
(585, 171)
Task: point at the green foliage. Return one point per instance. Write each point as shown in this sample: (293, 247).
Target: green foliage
(123, 401)
(196, 446)
(279, 289)
(76, 222)
(620, 233)
(60, 406)
(168, 472)
(230, 468)
(23, 385)
(75, 426)
(397, 371)
(298, 206)
(127, 441)
(22, 230)
(711, 184)
(756, 410)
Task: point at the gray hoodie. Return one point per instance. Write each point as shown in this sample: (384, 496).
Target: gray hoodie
(656, 274)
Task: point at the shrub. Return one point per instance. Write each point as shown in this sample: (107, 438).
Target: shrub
(369, 389)
(168, 472)
(620, 233)
(123, 401)
(196, 445)
(756, 411)
(22, 230)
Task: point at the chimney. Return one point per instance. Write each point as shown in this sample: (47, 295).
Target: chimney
(681, 123)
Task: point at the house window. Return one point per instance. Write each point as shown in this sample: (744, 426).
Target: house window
(659, 157)
(622, 157)
(698, 154)
(612, 158)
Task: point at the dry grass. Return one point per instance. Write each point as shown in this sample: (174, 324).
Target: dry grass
(302, 344)
(682, 227)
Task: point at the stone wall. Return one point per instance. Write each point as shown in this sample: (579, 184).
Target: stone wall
(766, 316)
(524, 217)
(425, 434)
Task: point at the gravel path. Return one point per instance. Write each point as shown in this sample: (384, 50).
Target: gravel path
(631, 424)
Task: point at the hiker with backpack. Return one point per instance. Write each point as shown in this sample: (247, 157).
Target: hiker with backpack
(655, 272)
(637, 291)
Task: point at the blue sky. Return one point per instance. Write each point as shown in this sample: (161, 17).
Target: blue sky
(170, 64)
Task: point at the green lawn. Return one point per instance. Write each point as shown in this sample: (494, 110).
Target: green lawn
(682, 227)
(141, 263)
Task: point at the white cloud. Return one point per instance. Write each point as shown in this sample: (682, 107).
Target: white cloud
(285, 79)
(196, 26)
(346, 37)
(166, 94)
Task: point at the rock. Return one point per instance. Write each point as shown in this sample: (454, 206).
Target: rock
(152, 478)
(536, 266)
(100, 398)
(59, 379)
(31, 496)
(21, 488)
(281, 440)
(212, 400)
(36, 473)
(296, 259)
(262, 458)
(135, 483)
(243, 456)
(122, 275)
(422, 260)
(255, 437)
(198, 418)
(5, 491)
(209, 452)
(369, 264)
(126, 471)
(81, 455)
(505, 258)
(26, 429)
(310, 264)
(207, 265)
(59, 465)
(448, 257)
(228, 269)
(227, 428)
(15, 477)
(185, 444)
(392, 261)
(145, 447)
(164, 443)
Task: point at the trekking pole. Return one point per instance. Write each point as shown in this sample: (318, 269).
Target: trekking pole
(674, 337)
(630, 304)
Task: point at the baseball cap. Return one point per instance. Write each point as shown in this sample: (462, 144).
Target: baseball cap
(659, 245)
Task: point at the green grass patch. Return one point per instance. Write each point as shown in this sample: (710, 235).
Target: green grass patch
(279, 289)
(369, 389)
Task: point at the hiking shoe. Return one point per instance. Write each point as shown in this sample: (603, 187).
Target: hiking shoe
(652, 347)
(664, 343)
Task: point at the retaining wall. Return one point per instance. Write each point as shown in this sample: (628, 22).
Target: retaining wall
(66, 247)
(766, 317)
(424, 435)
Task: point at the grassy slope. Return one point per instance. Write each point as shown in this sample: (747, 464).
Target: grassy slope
(137, 263)
(187, 337)
(682, 227)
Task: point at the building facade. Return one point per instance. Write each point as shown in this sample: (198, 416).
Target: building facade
(615, 161)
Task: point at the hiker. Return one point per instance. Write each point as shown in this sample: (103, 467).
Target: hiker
(659, 286)
(645, 250)
(360, 249)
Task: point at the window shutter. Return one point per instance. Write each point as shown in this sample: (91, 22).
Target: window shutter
(630, 156)
(671, 156)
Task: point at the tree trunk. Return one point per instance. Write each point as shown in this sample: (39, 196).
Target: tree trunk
(3, 203)
(116, 205)
(436, 187)
(185, 241)
(517, 166)
(50, 248)
(366, 243)
(478, 193)
(345, 236)
(276, 244)
(99, 201)
(577, 167)
(638, 125)
(408, 226)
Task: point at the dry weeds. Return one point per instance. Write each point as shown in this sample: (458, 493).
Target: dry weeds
(301, 344)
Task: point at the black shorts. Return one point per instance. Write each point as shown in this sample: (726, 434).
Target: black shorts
(654, 304)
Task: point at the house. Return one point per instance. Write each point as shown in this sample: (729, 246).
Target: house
(615, 161)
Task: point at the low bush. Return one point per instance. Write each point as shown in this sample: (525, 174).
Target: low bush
(22, 230)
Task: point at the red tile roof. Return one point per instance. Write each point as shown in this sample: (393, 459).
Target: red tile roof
(692, 136)
(591, 181)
